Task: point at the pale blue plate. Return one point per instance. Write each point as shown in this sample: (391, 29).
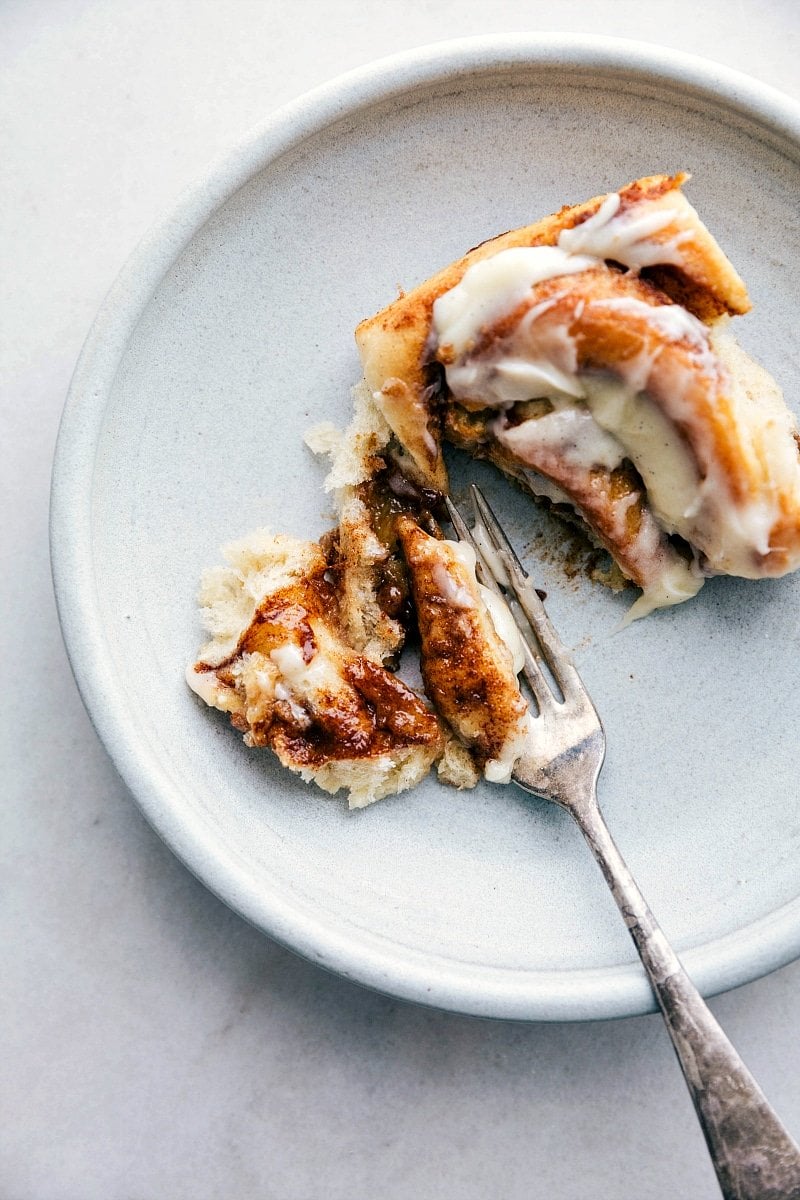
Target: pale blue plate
(230, 332)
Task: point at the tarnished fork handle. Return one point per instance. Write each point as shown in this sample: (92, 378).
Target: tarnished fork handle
(753, 1155)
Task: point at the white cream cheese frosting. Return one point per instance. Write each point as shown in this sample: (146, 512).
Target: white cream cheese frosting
(626, 237)
(494, 286)
(499, 768)
(642, 408)
(504, 624)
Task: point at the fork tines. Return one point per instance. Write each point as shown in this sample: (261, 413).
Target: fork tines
(502, 571)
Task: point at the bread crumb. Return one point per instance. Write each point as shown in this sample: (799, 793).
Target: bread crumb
(323, 439)
(456, 766)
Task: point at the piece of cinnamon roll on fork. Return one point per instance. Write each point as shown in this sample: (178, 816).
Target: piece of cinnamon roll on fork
(470, 651)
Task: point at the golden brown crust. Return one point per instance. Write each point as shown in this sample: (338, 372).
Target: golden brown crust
(683, 377)
(468, 671)
(361, 711)
(393, 343)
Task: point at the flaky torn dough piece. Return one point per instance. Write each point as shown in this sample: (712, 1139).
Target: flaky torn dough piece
(362, 556)
(355, 456)
(278, 665)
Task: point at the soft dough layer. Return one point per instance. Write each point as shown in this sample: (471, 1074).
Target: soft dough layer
(278, 664)
(470, 649)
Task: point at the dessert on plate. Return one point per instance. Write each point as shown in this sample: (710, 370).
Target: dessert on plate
(590, 357)
(299, 635)
(278, 664)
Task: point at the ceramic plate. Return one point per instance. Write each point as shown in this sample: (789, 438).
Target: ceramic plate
(231, 332)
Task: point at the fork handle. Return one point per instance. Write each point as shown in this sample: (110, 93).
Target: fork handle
(753, 1155)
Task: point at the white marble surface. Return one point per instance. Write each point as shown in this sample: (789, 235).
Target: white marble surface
(153, 1044)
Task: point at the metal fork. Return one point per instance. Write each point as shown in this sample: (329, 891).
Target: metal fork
(753, 1155)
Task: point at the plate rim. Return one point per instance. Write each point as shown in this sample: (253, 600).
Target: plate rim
(593, 993)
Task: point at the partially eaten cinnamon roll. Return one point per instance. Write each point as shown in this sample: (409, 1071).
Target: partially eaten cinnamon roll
(279, 664)
(589, 357)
